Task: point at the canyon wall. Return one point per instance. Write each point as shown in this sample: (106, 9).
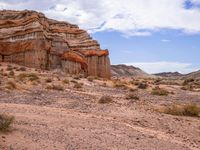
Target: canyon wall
(29, 38)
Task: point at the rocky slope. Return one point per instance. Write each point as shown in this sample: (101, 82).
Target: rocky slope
(169, 74)
(127, 71)
(195, 75)
(29, 38)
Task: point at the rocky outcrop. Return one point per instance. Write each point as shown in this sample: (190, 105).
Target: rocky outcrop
(29, 38)
(127, 71)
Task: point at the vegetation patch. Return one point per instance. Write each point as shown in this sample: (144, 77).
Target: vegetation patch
(183, 110)
(160, 92)
(11, 85)
(55, 87)
(78, 85)
(65, 81)
(132, 96)
(5, 122)
(48, 80)
(105, 100)
(142, 85)
(28, 76)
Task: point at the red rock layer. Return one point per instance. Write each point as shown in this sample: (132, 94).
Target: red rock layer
(31, 39)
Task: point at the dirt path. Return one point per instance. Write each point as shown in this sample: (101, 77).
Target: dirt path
(52, 128)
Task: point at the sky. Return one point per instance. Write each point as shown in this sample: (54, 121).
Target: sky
(155, 35)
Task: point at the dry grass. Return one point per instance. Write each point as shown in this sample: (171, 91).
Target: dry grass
(188, 81)
(5, 122)
(11, 73)
(78, 85)
(65, 81)
(28, 76)
(183, 110)
(90, 78)
(48, 80)
(159, 91)
(119, 84)
(132, 96)
(142, 85)
(11, 85)
(55, 87)
(105, 100)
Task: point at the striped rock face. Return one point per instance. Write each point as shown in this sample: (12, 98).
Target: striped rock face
(29, 38)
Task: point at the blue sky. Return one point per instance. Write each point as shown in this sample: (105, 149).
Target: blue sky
(155, 35)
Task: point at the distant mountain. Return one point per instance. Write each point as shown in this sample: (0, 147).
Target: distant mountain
(127, 71)
(195, 75)
(169, 74)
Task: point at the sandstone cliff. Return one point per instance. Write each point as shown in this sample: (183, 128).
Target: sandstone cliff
(127, 71)
(29, 38)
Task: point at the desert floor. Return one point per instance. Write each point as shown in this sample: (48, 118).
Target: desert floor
(72, 118)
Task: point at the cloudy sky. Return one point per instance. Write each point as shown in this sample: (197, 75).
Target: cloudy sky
(155, 35)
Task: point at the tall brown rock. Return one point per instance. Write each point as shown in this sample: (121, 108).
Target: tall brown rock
(29, 38)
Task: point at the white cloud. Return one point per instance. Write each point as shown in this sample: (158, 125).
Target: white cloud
(130, 17)
(165, 40)
(164, 66)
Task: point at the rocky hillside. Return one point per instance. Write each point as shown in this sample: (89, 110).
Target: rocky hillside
(123, 70)
(169, 74)
(29, 38)
(195, 75)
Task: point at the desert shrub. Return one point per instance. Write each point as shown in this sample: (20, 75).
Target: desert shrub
(132, 96)
(22, 69)
(76, 77)
(187, 81)
(5, 74)
(29, 76)
(9, 68)
(90, 78)
(11, 85)
(11, 73)
(105, 100)
(184, 110)
(159, 91)
(142, 85)
(55, 87)
(5, 122)
(48, 80)
(133, 90)
(65, 81)
(187, 88)
(104, 85)
(119, 84)
(78, 85)
(157, 81)
(74, 81)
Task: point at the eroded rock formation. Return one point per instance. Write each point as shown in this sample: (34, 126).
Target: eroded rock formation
(29, 38)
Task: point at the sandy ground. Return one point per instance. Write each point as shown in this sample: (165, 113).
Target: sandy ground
(73, 119)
